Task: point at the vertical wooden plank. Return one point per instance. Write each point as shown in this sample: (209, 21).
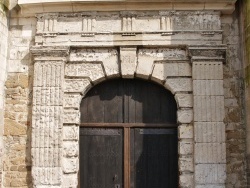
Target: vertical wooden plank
(126, 157)
(101, 149)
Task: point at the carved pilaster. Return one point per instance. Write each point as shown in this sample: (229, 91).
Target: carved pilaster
(47, 115)
(209, 112)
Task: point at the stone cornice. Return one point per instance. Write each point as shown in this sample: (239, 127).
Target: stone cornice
(50, 53)
(207, 53)
(31, 7)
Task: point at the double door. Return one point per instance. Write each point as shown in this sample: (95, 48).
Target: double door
(124, 141)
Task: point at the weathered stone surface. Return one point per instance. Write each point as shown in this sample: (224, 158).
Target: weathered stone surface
(178, 84)
(210, 173)
(71, 116)
(47, 176)
(147, 56)
(185, 116)
(210, 186)
(72, 101)
(70, 180)
(94, 71)
(209, 132)
(128, 58)
(184, 100)
(208, 87)
(108, 57)
(70, 132)
(167, 69)
(13, 128)
(207, 71)
(186, 147)
(70, 165)
(70, 149)
(186, 131)
(210, 153)
(77, 85)
(186, 164)
(209, 108)
(186, 180)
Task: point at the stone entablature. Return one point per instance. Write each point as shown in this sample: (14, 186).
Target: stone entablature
(129, 28)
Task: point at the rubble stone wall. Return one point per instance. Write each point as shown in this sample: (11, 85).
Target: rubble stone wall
(3, 70)
(18, 102)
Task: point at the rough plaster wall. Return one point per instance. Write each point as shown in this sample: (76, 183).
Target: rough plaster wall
(233, 90)
(3, 63)
(17, 158)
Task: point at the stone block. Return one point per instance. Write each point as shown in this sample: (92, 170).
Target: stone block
(209, 108)
(208, 87)
(72, 100)
(185, 115)
(13, 128)
(163, 70)
(178, 84)
(186, 164)
(210, 186)
(70, 132)
(71, 116)
(186, 147)
(128, 58)
(186, 180)
(42, 156)
(69, 180)
(70, 165)
(45, 176)
(186, 131)
(209, 132)
(94, 71)
(70, 149)
(210, 153)
(108, 57)
(184, 100)
(207, 71)
(210, 173)
(77, 85)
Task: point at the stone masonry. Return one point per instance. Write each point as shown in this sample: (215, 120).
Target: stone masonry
(56, 57)
(3, 70)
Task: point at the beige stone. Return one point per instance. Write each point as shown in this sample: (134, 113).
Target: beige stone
(186, 147)
(178, 84)
(128, 58)
(210, 153)
(14, 128)
(210, 173)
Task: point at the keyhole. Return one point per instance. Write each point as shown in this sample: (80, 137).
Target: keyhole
(115, 178)
(117, 185)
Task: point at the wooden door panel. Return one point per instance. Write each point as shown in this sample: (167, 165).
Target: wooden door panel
(101, 158)
(154, 158)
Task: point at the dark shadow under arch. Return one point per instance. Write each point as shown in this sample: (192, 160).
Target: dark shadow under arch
(153, 155)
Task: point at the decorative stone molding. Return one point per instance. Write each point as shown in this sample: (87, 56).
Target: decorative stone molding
(38, 6)
(101, 46)
(161, 27)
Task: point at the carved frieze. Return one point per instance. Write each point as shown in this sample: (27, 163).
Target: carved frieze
(107, 28)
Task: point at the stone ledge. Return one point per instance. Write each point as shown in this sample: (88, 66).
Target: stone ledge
(40, 6)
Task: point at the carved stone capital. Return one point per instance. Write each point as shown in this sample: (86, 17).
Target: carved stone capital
(207, 53)
(56, 53)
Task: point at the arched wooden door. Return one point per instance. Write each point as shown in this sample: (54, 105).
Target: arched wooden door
(128, 136)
